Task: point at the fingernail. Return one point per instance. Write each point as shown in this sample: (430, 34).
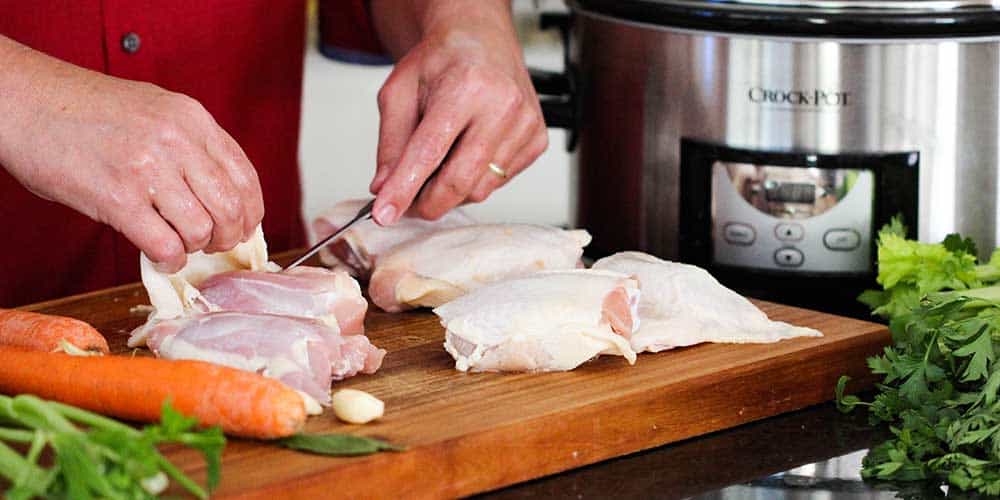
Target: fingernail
(386, 214)
(163, 267)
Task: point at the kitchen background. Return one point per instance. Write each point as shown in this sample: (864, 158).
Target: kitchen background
(340, 132)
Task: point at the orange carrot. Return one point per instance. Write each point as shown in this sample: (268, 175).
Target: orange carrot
(43, 332)
(134, 388)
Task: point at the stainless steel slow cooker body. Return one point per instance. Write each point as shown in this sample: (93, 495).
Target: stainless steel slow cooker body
(915, 81)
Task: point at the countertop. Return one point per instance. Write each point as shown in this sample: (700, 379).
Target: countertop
(810, 454)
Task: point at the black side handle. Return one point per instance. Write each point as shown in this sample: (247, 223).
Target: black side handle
(557, 91)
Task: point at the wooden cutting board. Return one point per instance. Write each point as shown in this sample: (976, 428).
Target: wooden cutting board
(468, 433)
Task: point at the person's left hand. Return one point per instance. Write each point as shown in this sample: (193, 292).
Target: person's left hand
(458, 102)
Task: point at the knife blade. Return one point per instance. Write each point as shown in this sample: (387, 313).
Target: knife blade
(364, 214)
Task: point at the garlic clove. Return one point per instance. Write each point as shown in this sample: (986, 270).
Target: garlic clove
(357, 407)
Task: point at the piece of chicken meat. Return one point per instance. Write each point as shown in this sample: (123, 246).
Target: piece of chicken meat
(435, 268)
(305, 354)
(333, 297)
(358, 249)
(684, 305)
(237, 309)
(548, 321)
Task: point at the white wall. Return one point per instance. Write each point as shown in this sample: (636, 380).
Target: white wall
(340, 132)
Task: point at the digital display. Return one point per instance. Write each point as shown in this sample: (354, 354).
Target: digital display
(790, 192)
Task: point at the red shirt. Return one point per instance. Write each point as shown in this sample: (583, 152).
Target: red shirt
(242, 59)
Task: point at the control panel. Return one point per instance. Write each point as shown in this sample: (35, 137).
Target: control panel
(792, 218)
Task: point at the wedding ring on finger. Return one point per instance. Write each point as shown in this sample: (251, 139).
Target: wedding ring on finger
(496, 169)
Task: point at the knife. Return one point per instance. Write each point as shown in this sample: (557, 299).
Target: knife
(364, 214)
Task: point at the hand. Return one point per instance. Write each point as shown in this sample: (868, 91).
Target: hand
(458, 101)
(152, 164)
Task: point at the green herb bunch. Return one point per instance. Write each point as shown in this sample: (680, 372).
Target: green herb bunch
(94, 456)
(940, 377)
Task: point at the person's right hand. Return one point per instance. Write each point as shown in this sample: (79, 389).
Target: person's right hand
(152, 164)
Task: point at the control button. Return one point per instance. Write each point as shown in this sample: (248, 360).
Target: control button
(841, 239)
(788, 257)
(739, 234)
(131, 43)
(789, 232)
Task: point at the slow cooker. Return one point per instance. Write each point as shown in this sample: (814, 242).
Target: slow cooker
(769, 140)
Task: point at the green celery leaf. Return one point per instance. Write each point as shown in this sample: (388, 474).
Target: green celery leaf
(894, 227)
(929, 266)
(954, 243)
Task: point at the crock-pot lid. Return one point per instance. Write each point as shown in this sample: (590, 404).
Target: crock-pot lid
(812, 18)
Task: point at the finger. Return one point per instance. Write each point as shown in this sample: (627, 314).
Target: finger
(513, 156)
(215, 190)
(462, 171)
(147, 230)
(446, 117)
(399, 113)
(244, 178)
(176, 204)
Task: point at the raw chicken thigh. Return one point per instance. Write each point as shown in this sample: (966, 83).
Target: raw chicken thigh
(305, 354)
(550, 320)
(305, 292)
(237, 309)
(684, 305)
(361, 245)
(441, 266)
(174, 295)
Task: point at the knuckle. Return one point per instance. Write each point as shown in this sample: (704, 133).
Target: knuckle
(538, 122)
(230, 210)
(188, 106)
(122, 202)
(478, 152)
(510, 97)
(200, 231)
(469, 79)
(256, 214)
(169, 133)
(164, 247)
(428, 211)
(460, 184)
(234, 153)
(386, 94)
(223, 241)
(479, 196)
(539, 145)
(435, 147)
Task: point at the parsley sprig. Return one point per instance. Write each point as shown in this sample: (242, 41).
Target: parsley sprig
(94, 456)
(940, 377)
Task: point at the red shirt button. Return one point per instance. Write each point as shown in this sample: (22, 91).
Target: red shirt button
(131, 43)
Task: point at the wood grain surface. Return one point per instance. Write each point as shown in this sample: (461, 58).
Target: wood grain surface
(469, 433)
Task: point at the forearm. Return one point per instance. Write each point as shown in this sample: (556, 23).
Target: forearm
(19, 66)
(32, 85)
(401, 25)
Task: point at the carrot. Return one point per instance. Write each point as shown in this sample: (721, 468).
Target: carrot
(134, 388)
(43, 332)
